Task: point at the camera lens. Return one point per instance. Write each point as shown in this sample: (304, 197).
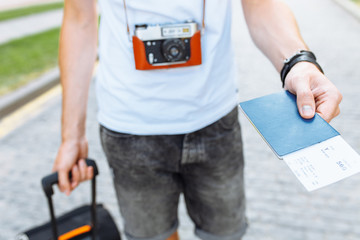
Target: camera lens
(173, 50)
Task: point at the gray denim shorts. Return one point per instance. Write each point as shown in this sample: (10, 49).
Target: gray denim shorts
(150, 173)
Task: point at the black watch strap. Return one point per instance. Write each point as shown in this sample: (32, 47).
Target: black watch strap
(302, 56)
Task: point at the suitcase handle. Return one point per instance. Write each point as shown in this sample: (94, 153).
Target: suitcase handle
(48, 181)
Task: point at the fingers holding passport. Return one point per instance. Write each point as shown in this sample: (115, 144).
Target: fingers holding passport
(314, 91)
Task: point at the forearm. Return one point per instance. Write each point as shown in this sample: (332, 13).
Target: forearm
(77, 54)
(273, 28)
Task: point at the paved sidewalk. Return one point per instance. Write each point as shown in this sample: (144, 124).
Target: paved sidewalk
(278, 206)
(28, 25)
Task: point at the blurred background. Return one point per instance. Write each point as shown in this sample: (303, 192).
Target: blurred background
(29, 32)
(279, 208)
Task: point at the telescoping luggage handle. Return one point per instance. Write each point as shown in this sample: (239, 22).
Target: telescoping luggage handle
(52, 179)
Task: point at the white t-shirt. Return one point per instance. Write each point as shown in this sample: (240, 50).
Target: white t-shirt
(169, 101)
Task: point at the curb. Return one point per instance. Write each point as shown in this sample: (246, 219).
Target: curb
(351, 7)
(12, 101)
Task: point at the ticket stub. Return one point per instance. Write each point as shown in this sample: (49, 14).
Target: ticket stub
(324, 163)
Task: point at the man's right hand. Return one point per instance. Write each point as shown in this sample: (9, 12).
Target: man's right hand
(71, 157)
(77, 55)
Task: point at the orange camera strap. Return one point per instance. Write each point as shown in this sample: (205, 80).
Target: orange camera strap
(127, 20)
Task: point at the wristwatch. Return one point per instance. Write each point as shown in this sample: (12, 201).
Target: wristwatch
(301, 56)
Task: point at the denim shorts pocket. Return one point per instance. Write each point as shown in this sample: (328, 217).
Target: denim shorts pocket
(118, 147)
(229, 121)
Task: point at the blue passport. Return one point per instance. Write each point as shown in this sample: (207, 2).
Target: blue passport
(278, 121)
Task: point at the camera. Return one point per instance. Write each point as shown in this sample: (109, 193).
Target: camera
(167, 45)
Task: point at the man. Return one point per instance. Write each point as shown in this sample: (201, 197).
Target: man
(175, 130)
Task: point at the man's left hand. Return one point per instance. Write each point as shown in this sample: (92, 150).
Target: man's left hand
(314, 91)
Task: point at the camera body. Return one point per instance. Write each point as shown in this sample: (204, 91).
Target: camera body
(167, 46)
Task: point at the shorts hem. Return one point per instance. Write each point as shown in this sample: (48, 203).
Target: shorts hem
(161, 236)
(210, 236)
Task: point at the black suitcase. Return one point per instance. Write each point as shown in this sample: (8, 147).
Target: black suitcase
(88, 222)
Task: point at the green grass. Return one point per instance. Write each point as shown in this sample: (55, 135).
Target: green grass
(20, 12)
(357, 2)
(24, 59)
